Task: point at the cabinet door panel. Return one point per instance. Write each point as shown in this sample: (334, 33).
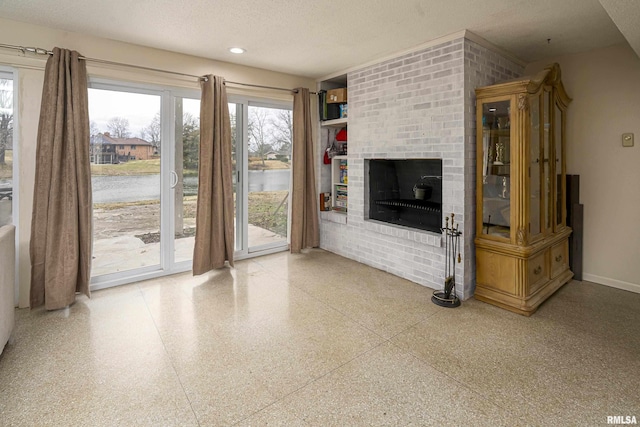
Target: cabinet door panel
(559, 258)
(496, 271)
(559, 166)
(546, 161)
(496, 169)
(535, 205)
(538, 272)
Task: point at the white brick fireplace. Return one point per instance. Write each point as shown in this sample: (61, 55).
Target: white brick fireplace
(420, 105)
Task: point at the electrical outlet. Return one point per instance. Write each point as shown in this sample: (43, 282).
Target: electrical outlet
(627, 140)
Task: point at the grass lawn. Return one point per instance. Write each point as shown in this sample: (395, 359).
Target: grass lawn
(134, 167)
(149, 167)
(267, 210)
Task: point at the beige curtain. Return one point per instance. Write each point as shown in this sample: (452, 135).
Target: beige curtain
(214, 216)
(60, 246)
(304, 206)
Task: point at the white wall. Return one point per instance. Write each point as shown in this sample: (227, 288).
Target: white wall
(605, 87)
(31, 77)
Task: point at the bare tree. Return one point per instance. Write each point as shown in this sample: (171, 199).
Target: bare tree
(93, 128)
(258, 133)
(6, 118)
(151, 133)
(118, 127)
(283, 131)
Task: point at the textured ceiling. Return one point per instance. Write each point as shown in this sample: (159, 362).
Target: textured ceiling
(626, 15)
(317, 38)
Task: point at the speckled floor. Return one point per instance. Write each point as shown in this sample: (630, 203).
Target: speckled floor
(319, 340)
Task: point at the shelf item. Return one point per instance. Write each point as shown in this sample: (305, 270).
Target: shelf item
(520, 211)
(337, 96)
(340, 183)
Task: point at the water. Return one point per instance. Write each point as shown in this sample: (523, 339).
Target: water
(114, 189)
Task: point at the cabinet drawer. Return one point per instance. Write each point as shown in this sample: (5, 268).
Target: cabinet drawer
(559, 258)
(538, 272)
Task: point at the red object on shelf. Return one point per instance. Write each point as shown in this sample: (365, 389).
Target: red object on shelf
(341, 135)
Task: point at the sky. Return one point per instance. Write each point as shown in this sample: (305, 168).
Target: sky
(138, 108)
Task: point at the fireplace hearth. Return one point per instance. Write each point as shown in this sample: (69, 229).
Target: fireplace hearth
(406, 192)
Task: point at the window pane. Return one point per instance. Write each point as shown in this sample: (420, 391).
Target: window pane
(125, 175)
(6, 150)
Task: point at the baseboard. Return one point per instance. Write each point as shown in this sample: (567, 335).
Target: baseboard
(619, 284)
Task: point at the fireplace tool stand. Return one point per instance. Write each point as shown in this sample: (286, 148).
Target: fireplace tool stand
(448, 297)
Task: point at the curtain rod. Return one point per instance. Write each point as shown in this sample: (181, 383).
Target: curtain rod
(266, 87)
(41, 51)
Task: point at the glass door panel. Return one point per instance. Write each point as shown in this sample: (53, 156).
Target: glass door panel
(184, 177)
(496, 212)
(534, 165)
(546, 159)
(557, 141)
(270, 136)
(6, 149)
(125, 175)
(235, 117)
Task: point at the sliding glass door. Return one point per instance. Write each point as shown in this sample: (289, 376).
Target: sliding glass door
(7, 152)
(144, 162)
(126, 160)
(269, 145)
(262, 157)
(184, 177)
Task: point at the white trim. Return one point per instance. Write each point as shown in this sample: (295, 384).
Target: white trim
(167, 164)
(125, 278)
(613, 283)
(431, 43)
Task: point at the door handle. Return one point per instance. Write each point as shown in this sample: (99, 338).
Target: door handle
(174, 179)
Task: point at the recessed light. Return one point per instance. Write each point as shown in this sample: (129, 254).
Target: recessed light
(492, 110)
(236, 50)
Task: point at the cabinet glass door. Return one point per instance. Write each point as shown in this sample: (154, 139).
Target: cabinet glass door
(535, 168)
(546, 161)
(557, 139)
(496, 163)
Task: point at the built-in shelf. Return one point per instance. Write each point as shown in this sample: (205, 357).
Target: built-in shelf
(339, 183)
(335, 123)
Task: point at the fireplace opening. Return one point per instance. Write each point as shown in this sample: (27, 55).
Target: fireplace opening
(406, 192)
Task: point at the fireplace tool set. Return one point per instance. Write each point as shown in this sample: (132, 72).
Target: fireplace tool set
(448, 297)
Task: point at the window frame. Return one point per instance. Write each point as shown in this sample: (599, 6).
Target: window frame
(11, 73)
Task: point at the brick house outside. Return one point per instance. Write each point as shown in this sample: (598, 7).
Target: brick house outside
(108, 150)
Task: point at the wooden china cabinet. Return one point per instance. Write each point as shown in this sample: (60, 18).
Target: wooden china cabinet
(522, 252)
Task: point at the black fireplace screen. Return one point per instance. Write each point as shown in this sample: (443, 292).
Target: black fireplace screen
(406, 192)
